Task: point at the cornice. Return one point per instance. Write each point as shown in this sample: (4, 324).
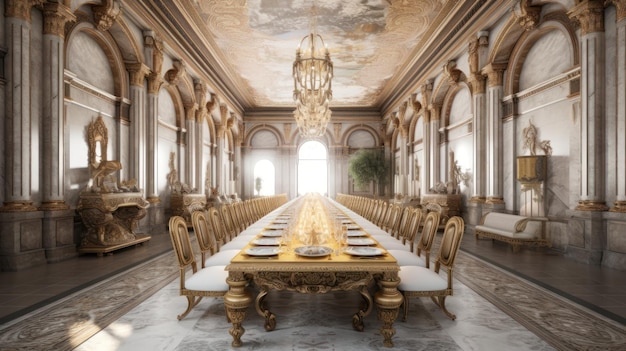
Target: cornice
(165, 17)
(440, 44)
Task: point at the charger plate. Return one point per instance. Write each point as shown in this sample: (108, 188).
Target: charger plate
(364, 251)
(262, 251)
(313, 251)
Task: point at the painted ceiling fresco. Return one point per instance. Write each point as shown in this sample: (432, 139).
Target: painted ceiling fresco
(367, 39)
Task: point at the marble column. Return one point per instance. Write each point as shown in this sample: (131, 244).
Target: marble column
(190, 142)
(55, 17)
(495, 174)
(237, 163)
(154, 59)
(17, 134)
(137, 154)
(432, 128)
(477, 52)
(620, 164)
(586, 236)
(590, 15)
(58, 219)
(21, 229)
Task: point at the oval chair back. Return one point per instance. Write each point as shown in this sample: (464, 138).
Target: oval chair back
(204, 237)
(429, 231)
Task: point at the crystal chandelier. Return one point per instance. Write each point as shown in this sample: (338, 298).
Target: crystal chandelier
(312, 76)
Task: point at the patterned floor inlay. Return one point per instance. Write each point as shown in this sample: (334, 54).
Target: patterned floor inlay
(67, 323)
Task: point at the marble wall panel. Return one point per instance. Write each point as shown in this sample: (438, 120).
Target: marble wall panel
(616, 236)
(576, 232)
(96, 70)
(30, 235)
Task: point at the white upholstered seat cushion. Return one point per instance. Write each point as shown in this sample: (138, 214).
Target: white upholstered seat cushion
(393, 244)
(407, 258)
(416, 278)
(212, 278)
(221, 258)
(236, 244)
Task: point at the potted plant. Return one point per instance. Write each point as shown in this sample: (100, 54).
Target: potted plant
(368, 165)
(258, 184)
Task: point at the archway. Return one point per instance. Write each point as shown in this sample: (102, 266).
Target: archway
(312, 168)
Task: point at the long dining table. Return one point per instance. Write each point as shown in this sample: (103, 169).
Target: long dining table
(291, 270)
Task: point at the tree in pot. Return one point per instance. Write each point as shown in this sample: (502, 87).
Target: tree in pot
(368, 165)
(258, 184)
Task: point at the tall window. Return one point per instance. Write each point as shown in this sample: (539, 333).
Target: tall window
(264, 177)
(312, 168)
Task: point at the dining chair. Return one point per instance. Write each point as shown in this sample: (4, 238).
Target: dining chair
(203, 282)
(207, 242)
(228, 222)
(417, 281)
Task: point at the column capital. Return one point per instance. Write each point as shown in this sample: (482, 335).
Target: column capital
(56, 15)
(138, 72)
(590, 15)
(495, 73)
(591, 205)
(620, 6)
(154, 83)
(20, 8)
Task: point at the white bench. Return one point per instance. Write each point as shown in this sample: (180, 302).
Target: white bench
(513, 229)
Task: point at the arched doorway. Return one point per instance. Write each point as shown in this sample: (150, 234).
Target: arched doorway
(312, 168)
(264, 178)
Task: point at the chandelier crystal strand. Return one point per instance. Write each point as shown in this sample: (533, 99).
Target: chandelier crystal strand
(312, 74)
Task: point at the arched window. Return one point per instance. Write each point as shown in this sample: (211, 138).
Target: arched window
(264, 178)
(312, 168)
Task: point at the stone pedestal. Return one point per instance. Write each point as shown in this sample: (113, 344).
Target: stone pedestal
(21, 244)
(585, 236)
(450, 205)
(58, 235)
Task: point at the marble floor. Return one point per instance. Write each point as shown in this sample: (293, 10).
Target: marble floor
(558, 304)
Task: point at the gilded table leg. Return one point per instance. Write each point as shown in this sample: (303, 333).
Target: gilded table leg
(388, 300)
(357, 318)
(270, 318)
(236, 301)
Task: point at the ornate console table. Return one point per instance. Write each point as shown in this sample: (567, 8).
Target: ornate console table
(184, 204)
(450, 205)
(111, 219)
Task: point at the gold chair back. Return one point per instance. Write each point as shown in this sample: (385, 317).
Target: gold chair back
(182, 244)
(204, 237)
(429, 231)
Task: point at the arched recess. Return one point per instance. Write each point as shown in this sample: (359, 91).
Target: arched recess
(263, 128)
(514, 42)
(112, 52)
(354, 130)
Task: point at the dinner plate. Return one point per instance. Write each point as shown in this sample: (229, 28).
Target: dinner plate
(313, 251)
(360, 241)
(353, 227)
(356, 233)
(346, 221)
(281, 221)
(272, 233)
(277, 226)
(364, 251)
(265, 241)
(262, 251)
